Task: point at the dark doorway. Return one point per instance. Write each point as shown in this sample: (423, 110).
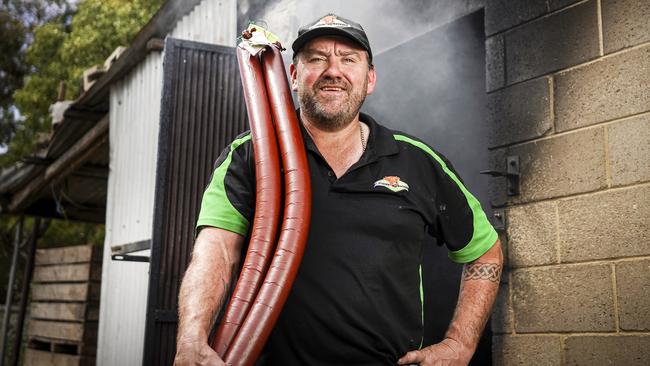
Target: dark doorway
(433, 86)
(202, 110)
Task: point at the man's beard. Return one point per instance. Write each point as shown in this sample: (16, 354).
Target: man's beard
(332, 114)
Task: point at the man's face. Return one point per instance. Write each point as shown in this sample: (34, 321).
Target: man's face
(332, 78)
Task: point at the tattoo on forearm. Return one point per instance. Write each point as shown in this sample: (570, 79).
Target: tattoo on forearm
(482, 271)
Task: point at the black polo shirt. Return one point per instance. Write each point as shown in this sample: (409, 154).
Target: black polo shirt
(357, 299)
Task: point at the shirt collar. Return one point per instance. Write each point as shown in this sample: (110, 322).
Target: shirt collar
(380, 142)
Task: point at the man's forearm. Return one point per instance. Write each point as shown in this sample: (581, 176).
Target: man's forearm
(206, 283)
(478, 290)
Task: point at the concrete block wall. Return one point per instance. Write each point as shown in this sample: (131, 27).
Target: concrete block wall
(568, 87)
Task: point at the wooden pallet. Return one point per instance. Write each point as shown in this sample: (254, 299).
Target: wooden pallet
(63, 331)
(61, 346)
(77, 312)
(35, 357)
(75, 254)
(64, 311)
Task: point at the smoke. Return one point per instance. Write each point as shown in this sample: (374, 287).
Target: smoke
(429, 58)
(430, 61)
(433, 87)
(389, 23)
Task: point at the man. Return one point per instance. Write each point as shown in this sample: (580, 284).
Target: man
(378, 197)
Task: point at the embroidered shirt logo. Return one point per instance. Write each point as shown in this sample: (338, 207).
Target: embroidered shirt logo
(393, 183)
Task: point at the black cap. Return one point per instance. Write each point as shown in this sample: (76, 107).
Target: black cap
(332, 25)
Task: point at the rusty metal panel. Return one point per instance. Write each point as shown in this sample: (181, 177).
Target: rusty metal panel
(202, 111)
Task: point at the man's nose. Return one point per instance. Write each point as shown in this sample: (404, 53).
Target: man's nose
(333, 69)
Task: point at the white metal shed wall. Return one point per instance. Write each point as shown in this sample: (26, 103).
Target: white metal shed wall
(134, 123)
(212, 21)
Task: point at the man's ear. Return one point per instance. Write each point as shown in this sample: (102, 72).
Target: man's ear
(294, 77)
(372, 80)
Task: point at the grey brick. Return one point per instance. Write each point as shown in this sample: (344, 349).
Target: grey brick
(625, 23)
(551, 43)
(526, 350)
(532, 234)
(633, 284)
(557, 4)
(563, 299)
(519, 112)
(502, 311)
(554, 167)
(494, 63)
(503, 238)
(610, 224)
(504, 14)
(632, 350)
(497, 185)
(607, 89)
(629, 150)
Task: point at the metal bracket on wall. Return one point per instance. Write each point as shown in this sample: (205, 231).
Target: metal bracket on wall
(512, 175)
(499, 220)
(121, 252)
(130, 258)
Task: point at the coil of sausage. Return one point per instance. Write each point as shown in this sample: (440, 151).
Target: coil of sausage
(255, 330)
(267, 202)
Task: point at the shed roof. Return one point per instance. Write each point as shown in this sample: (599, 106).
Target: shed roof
(68, 178)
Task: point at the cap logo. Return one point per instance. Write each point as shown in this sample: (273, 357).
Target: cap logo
(330, 21)
(393, 183)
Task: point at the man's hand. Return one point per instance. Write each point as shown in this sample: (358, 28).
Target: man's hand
(478, 289)
(448, 352)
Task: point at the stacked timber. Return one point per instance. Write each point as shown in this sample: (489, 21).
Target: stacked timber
(64, 306)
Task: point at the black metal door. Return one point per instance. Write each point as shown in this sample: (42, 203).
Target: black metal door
(433, 86)
(202, 111)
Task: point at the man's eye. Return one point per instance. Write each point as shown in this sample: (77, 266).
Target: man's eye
(349, 60)
(317, 59)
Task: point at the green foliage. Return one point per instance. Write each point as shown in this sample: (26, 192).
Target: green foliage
(12, 69)
(58, 233)
(65, 233)
(18, 19)
(62, 50)
(34, 98)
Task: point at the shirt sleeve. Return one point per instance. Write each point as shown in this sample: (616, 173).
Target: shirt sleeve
(228, 201)
(461, 221)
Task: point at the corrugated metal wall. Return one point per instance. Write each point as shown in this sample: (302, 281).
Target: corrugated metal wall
(134, 133)
(134, 122)
(202, 111)
(212, 21)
